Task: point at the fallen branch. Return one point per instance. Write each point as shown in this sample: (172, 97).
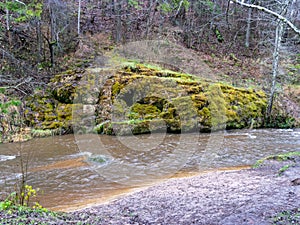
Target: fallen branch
(27, 80)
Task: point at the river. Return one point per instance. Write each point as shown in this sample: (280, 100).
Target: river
(75, 171)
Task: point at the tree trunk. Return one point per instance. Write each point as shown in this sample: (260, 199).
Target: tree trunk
(7, 16)
(248, 30)
(39, 40)
(78, 19)
(150, 16)
(278, 38)
(279, 32)
(118, 21)
(52, 35)
(7, 25)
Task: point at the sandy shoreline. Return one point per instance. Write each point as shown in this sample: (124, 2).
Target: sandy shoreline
(119, 193)
(248, 196)
(229, 197)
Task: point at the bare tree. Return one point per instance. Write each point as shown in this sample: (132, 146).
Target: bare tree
(276, 53)
(281, 20)
(59, 23)
(275, 14)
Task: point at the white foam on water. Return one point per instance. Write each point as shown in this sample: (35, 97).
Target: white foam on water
(252, 136)
(88, 154)
(6, 157)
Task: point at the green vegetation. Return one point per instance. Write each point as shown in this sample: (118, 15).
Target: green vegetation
(10, 118)
(293, 74)
(45, 112)
(143, 98)
(181, 101)
(44, 133)
(287, 217)
(29, 216)
(279, 157)
(280, 120)
(284, 168)
(100, 159)
(4, 107)
(21, 200)
(288, 157)
(24, 12)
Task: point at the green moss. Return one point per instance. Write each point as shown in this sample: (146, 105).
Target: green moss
(63, 86)
(182, 102)
(100, 159)
(116, 88)
(43, 133)
(248, 106)
(284, 168)
(280, 157)
(217, 107)
(145, 111)
(129, 127)
(44, 112)
(64, 112)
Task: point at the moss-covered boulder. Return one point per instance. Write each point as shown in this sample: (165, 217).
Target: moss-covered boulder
(45, 112)
(51, 109)
(64, 85)
(141, 99)
(145, 99)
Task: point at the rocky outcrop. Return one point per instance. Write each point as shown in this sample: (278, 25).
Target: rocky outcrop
(147, 99)
(140, 99)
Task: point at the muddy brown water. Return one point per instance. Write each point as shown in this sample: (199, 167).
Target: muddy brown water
(76, 171)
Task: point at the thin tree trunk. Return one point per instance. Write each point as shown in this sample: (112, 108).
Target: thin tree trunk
(78, 20)
(39, 40)
(117, 13)
(248, 30)
(278, 37)
(7, 25)
(52, 34)
(7, 16)
(149, 18)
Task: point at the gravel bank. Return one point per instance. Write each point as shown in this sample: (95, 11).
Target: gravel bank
(251, 196)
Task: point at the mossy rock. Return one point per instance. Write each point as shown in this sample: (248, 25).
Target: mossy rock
(190, 103)
(144, 111)
(99, 159)
(135, 127)
(64, 85)
(139, 99)
(43, 112)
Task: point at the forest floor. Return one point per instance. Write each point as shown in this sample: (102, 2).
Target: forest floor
(268, 194)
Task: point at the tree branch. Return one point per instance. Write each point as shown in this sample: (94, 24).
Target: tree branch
(179, 7)
(278, 16)
(20, 2)
(27, 80)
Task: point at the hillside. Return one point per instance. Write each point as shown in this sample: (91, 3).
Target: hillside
(49, 50)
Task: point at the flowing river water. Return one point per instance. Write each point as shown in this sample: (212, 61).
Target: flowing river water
(74, 171)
